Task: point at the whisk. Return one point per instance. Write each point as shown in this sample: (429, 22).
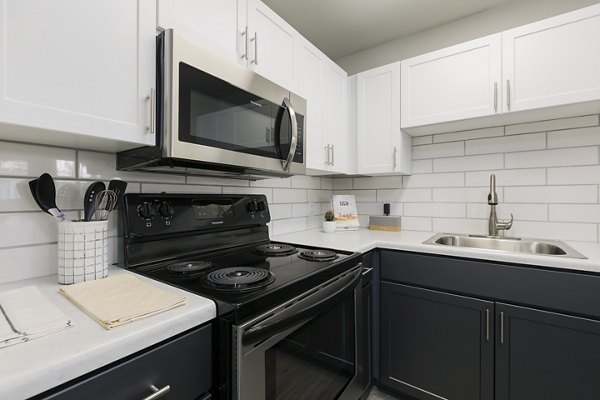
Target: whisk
(106, 201)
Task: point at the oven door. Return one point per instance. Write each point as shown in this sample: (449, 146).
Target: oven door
(306, 348)
(221, 112)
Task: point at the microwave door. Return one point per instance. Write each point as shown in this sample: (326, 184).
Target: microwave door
(286, 134)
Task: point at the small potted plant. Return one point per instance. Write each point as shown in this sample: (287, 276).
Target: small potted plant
(329, 222)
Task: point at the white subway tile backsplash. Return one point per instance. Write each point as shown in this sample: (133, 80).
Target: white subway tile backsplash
(455, 179)
(509, 177)
(378, 182)
(574, 175)
(300, 210)
(534, 141)
(165, 187)
(422, 166)
(469, 163)
(21, 229)
(552, 125)
(306, 182)
(27, 262)
(417, 140)
(321, 196)
(464, 195)
(439, 150)
(327, 183)
(416, 224)
(450, 210)
(370, 208)
(17, 159)
(268, 192)
(272, 183)
(466, 135)
(280, 211)
(290, 195)
(363, 196)
(552, 158)
(404, 195)
(283, 226)
(458, 225)
(552, 194)
(574, 137)
(575, 212)
(342, 183)
(521, 212)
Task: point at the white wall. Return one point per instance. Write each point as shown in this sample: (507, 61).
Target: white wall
(28, 236)
(496, 19)
(547, 175)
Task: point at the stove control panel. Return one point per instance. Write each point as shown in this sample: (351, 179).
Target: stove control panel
(153, 214)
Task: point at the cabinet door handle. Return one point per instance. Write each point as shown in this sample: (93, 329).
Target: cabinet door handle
(508, 94)
(501, 328)
(487, 324)
(495, 97)
(245, 36)
(395, 155)
(333, 154)
(255, 40)
(268, 135)
(326, 147)
(151, 99)
(157, 393)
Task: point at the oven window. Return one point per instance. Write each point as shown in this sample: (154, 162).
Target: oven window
(215, 113)
(315, 362)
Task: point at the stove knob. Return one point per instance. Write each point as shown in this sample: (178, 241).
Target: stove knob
(165, 209)
(262, 206)
(252, 206)
(146, 210)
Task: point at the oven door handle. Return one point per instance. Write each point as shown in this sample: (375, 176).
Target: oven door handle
(319, 301)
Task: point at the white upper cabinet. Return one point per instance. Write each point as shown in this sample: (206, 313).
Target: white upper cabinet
(553, 62)
(214, 23)
(382, 148)
(78, 73)
(336, 117)
(454, 83)
(269, 44)
(310, 67)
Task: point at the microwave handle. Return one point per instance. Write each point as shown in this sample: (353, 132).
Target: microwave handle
(319, 302)
(294, 143)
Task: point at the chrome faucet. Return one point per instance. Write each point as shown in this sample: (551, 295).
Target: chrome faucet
(493, 224)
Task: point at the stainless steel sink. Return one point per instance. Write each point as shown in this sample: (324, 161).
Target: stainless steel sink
(554, 248)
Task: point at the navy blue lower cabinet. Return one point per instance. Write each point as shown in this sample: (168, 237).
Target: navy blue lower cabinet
(436, 345)
(542, 355)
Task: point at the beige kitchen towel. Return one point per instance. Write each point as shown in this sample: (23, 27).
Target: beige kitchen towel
(120, 299)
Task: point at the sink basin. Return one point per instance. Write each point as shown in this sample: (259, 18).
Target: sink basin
(555, 248)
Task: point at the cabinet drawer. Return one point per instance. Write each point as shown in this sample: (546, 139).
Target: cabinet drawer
(184, 364)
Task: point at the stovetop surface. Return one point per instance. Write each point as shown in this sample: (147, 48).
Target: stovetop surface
(293, 276)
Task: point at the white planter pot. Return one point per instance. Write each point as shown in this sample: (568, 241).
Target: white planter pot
(328, 226)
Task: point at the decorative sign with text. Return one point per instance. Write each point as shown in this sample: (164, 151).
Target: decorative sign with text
(344, 207)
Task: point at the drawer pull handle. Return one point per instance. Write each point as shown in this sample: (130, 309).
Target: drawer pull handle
(157, 393)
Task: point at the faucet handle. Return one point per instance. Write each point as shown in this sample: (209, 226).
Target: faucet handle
(505, 225)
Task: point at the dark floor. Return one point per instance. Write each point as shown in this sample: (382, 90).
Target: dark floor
(377, 395)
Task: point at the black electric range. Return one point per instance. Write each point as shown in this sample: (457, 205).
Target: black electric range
(218, 246)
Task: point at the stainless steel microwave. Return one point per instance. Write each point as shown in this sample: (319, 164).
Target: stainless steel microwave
(217, 117)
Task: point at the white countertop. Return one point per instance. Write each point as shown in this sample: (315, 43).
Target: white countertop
(33, 367)
(364, 240)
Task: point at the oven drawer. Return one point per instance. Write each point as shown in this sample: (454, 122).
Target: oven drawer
(184, 364)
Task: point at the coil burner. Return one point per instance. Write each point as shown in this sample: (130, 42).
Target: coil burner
(318, 255)
(239, 279)
(188, 267)
(276, 249)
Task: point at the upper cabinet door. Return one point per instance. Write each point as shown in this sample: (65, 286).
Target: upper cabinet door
(454, 83)
(270, 43)
(336, 120)
(378, 119)
(81, 72)
(310, 66)
(213, 23)
(552, 62)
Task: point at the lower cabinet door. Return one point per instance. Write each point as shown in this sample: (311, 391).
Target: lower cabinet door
(542, 355)
(436, 345)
